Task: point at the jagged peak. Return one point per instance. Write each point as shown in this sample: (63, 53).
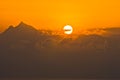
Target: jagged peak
(23, 25)
(10, 28)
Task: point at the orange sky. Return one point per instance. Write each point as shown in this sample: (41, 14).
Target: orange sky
(54, 14)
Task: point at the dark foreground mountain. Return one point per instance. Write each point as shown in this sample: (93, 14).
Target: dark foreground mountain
(27, 52)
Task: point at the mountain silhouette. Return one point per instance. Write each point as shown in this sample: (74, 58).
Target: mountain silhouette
(22, 30)
(9, 30)
(28, 52)
(20, 33)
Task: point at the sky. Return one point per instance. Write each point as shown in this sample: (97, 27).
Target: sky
(55, 14)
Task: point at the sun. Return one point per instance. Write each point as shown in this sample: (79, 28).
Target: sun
(68, 29)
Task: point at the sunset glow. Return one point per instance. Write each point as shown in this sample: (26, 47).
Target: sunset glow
(54, 14)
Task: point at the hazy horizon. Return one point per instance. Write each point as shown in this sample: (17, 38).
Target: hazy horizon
(61, 31)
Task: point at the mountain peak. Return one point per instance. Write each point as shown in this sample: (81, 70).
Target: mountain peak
(10, 28)
(24, 26)
(21, 31)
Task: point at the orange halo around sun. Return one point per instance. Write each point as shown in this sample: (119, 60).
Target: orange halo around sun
(68, 29)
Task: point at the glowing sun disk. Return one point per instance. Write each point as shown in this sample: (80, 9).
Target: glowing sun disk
(68, 29)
